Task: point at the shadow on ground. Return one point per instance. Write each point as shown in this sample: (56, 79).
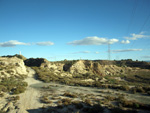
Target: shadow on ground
(80, 108)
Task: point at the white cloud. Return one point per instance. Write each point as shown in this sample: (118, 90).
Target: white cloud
(125, 41)
(125, 50)
(12, 43)
(93, 41)
(97, 52)
(148, 56)
(48, 43)
(81, 52)
(136, 36)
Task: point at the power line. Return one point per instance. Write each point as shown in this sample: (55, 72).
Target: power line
(146, 20)
(132, 16)
(131, 19)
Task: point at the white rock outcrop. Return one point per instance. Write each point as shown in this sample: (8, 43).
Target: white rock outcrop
(12, 66)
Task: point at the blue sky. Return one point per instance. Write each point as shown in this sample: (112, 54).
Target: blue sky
(74, 29)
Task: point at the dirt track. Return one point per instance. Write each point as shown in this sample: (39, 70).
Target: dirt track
(29, 99)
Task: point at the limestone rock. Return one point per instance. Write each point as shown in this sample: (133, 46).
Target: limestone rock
(78, 68)
(10, 66)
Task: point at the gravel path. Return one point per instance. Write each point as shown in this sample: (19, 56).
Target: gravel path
(30, 98)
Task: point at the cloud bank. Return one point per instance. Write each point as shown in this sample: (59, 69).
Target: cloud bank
(136, 36)
(125, 50)
(93, 41)
(12, 43)
(48, 43)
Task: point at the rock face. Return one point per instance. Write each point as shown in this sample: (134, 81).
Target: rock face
(12, 66)
(87, 67)
(81, 67)
(95, 68)
(41, 62)
(78, 68)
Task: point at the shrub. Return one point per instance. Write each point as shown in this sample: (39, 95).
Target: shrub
(110, 98)
(3, 88)
(125, 87)
(66, 101)
(13, 84)
(79, 105)
(2, 111)
(44, 99)
(70, 95)
(140, 89)
(134, 91)
(59, 102)
(17, 98)
(88, 101)
(1, 94)
(133, 104)
(97, 84)
(148, 92)
(19, 89)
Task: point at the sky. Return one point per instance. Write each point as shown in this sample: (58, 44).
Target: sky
(76, 29)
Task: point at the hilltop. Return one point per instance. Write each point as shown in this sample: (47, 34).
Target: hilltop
(105, 86)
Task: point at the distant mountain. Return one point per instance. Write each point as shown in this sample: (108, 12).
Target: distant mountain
(147, 61)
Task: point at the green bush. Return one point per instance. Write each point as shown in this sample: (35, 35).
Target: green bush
(2, 111)
(70, 95)
(13, 84)
(1, 94)
(19, 89)
(110, 98)
(66, 101)
(133, 104)
(44, 99)
(88, 101)
(3, 88)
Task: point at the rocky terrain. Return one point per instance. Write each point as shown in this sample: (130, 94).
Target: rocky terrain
(12, 66)
(78, 67)
(36, 85)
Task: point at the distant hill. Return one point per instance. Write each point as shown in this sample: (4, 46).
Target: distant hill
(147, 61)
(16, 55)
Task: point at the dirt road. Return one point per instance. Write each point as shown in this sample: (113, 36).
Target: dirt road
(30, 98)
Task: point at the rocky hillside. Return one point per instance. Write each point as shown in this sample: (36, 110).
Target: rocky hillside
(126, 63)
(90, 74)
(87, 67)
(12, 66)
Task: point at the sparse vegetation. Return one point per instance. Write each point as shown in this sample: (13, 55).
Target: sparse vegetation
(45, 99)
(12, 84)
(70, 95)
(107, 87)
(66, 101)
(2, 111)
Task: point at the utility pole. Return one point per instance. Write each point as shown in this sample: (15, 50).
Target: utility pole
(19, 52)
